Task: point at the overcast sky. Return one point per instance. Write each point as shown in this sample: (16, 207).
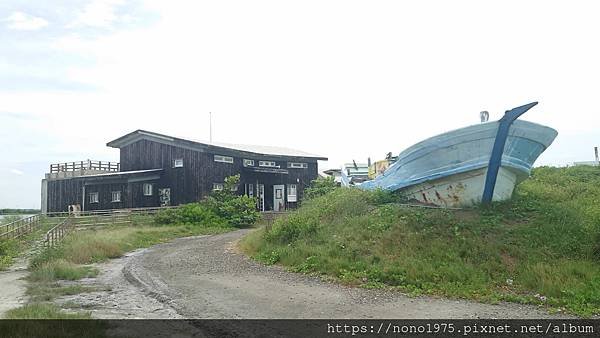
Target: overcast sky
(343, 79)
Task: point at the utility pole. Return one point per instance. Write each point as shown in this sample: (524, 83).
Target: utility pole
(210, 125)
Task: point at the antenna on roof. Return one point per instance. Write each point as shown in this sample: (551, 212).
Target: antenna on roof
(484, 116)
(210, 125)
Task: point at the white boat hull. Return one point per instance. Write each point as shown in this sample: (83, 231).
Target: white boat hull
(450, 169)
(462, 189)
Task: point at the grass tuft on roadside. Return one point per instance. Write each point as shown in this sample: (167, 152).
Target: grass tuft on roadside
(542, 247)
(44, 311)
(60, 269)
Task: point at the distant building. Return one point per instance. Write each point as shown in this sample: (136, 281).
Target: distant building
(592, 163)
(335, 173)
(354, 173)
(379, 167)
(160, 170)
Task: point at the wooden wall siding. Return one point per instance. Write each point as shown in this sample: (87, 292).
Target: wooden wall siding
(195, 180)
(105, 196)
(62, 193)
(188, 184)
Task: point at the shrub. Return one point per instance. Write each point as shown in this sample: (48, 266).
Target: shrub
(319, 187)
(236, 210)
(380, 196)
(220, 209)
(193, 213)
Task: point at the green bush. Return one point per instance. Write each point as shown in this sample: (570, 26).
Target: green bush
(220, 209)
(235, 209)
(319, 187)
(193, 213)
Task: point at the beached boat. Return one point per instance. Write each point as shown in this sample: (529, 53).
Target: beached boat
(463, 167)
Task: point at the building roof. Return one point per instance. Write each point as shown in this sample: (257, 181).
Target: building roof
(122, 173)
(215, 146)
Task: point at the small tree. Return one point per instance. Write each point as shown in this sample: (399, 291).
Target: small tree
(320, 187)
(237, 210)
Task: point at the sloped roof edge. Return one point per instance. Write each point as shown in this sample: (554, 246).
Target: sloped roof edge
(253, 149)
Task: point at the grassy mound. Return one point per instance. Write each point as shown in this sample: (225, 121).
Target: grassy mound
(541, 247)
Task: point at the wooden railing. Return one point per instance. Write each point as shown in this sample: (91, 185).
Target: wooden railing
(20, 227)
(58, 232)
(106, 212)
(85, 165)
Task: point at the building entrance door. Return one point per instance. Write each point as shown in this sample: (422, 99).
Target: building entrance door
(165, 197)
(278, 198)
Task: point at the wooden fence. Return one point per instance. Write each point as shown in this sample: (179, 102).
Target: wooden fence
(20, 227)
(83, 219)
(58, 232)
(85, 165)
(70, 222)
(110, 212)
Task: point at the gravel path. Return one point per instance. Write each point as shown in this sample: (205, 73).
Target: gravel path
(204, 277)
(13, 286)
(116, 297)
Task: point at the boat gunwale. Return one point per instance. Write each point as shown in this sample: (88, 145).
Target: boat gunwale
(426, 149)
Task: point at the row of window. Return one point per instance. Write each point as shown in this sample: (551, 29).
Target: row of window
(178, 163)
(272, 164)
(220, 186)
(116, 195)
(291, 190)
(147, 189)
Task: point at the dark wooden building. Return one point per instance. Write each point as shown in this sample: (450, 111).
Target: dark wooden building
(160, 170)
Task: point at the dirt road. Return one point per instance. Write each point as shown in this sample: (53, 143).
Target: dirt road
(13, 286)
(204, 277)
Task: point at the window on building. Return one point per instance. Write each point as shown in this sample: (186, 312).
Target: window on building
(251, 190)
(224, 159)
(248, 163)
(116, 196)
(266, 164)
(178, 163)
(147, 189)
(93, 197)
(292, 195)
(297, 165)
(217, 186)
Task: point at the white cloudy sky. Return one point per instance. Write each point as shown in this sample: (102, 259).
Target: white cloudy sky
(344, 79)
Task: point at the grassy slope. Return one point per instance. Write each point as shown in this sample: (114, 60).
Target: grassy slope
(12, 248)
(71, 259)
(541, 247)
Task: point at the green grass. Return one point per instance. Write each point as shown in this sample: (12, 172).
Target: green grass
(71, 260)
(12, 248)
(97, 245)
(542, 247)
(43, 311)
(60, 269)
